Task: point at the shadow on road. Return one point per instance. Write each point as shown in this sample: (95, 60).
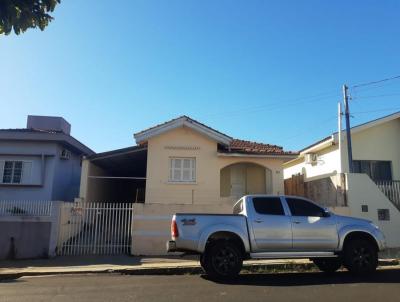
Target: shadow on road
(10, 278)
(303, 279)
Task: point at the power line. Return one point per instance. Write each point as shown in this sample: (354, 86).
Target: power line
(375, 96)
(375, 82)
(368, 88)
(378, 110)
(312, 127)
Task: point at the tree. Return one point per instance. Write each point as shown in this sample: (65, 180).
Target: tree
(21, 15)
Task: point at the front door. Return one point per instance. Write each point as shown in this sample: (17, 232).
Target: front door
(312, 230)
(238, 180)
(271, 227)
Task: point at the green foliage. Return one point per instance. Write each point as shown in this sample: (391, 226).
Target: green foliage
(19, 15)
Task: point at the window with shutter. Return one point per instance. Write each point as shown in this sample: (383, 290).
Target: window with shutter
(182, 169)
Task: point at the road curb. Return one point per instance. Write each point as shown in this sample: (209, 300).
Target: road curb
(183, 270)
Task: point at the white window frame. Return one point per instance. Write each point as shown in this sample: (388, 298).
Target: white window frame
(181, 169)
(2, 167)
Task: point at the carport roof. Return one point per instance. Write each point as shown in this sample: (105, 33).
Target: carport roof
(117, 152)
(124, 162)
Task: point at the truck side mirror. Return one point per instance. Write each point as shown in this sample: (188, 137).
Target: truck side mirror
(326, 213)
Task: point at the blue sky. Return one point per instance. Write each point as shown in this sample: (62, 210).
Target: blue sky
(269, 71)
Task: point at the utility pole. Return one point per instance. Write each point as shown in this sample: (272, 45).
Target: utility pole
(340, 136)
(348, 134)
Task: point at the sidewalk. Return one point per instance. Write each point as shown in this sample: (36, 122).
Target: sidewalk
(138, 265)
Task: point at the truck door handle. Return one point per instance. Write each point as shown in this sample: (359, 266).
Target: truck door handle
(258, 221)
(296, 222)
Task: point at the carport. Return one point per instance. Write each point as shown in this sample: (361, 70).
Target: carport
(115, 176)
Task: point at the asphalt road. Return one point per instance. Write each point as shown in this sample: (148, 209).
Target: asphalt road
(383, 286)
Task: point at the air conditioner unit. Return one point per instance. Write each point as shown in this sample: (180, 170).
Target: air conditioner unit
(65, 154)
(311, 158)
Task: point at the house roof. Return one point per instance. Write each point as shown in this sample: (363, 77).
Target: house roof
(357, 128)
(317, 143)
(375, 122)
(30, 130)
(30, 134)
(249, 147)
(227, 144)
(186, 121)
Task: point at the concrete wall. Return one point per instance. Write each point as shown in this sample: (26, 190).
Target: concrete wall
(34, 236)
(363, 191)
(184, 142)
(69, 224)
(152, 224)
(24, 240)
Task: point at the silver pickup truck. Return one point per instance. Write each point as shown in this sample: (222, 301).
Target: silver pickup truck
(271, 227)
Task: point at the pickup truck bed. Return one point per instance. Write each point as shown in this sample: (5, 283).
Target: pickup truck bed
(195, 226)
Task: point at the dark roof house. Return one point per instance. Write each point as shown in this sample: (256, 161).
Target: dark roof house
(41, 161)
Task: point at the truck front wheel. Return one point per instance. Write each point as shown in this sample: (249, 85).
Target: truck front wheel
(222, 259)
(328, 265)
(360, 256)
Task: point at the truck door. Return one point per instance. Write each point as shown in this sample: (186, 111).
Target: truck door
(312, 228)
(271, 225)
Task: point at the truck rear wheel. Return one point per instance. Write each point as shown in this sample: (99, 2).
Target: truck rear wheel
(328, 265)
(202, 262)
(360, 256)
(222, 259)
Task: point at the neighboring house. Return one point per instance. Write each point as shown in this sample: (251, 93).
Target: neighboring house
(321, 172)
(40, 162)
(180, 165)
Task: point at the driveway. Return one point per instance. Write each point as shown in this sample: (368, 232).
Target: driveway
(383, 286)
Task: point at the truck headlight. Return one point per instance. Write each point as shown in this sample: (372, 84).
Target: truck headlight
(374, 225)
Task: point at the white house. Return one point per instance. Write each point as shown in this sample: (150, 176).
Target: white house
(373, 190)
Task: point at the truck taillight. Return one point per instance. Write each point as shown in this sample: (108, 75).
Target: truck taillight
(174, 229)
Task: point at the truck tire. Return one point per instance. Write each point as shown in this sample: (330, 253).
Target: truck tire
(328, 265)
(360, 256)
(202, 263)
(222, 259)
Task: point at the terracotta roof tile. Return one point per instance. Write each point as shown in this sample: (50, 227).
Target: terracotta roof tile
(249, 147)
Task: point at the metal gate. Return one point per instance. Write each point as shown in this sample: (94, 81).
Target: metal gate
(92, 228)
